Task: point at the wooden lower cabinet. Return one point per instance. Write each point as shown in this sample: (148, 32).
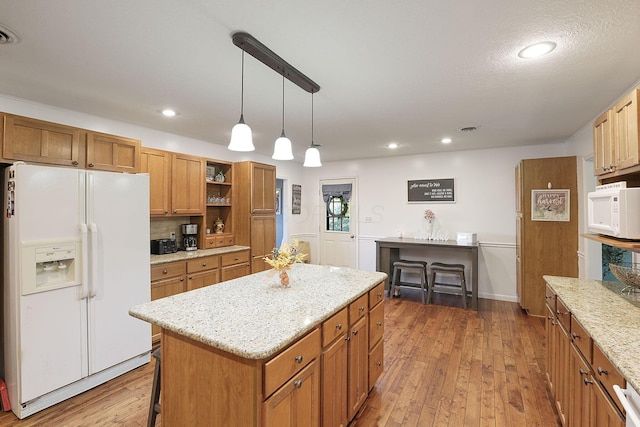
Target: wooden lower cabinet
(165, 288)
(202, 279)
(358, 374)
(579, 376)
(334, 383)
(234, 265)
(263, 240)
(602, 411)
(297, 403)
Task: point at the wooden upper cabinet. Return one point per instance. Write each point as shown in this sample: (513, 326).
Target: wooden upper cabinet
(32, 140)
(604, 152)
(263, 188)
(187, 184)
(625, 121)
(157, 164)
(113, 153)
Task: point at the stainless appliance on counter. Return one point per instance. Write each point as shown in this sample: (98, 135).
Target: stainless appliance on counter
(164, 246)
(189, 237)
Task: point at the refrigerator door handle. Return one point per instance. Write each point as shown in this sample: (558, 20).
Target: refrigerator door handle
(94, 260)
(85, 261)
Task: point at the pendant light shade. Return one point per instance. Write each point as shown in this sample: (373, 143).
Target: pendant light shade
(312, 155)
(282, 148)
(241, 137)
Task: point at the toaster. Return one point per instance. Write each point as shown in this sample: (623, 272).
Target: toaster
(163, 246)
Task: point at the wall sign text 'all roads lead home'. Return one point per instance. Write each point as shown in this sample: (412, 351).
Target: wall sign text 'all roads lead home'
(431, 190)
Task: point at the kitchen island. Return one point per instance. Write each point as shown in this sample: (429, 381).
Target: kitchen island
(247, 351)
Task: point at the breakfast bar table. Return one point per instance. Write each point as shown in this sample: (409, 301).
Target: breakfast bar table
(388, 251)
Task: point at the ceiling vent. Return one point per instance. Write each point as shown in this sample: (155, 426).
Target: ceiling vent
(468, 129)
(7, 36)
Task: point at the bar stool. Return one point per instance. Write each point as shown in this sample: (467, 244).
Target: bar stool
(452, 270)
(154, 406)
(419, 267)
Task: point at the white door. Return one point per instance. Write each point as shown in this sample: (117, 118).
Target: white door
(48, 342)
(338, 220)
(118, 205)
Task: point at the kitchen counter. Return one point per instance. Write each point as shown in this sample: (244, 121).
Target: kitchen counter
(612, 319)
(187, 255)
(254, 317)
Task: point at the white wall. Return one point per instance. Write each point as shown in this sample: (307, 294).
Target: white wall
(485, 204)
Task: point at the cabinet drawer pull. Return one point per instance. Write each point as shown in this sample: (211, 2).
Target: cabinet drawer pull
(574, 335)
(587, 381)
(299, 359)
(175, 211)
(582, 371)
(236, 259)
(297, 383)
(164, 271)
(91, 165)
(347, 338)
(204, 264)
(379, 323)
(362, 308)
(354, 332)
(602, 371)
(378, 363)
(74, 163)
(182, 279)
(379, 294)
(339, 326)
(190, 277)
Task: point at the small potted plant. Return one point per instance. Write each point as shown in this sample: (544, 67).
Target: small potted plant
(283, 258)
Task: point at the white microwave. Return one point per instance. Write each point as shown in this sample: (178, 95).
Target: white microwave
(615, 212)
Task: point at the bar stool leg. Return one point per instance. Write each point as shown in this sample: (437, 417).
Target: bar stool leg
(430, 286)
(154, 406)
(392, 288)
(423, 279)
(463, 289)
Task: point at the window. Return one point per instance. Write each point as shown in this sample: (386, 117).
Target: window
(337, 214)
(336, 198)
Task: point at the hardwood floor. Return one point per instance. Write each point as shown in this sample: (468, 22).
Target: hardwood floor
(444, 366)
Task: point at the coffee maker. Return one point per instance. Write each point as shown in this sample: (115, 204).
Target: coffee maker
(189, 237)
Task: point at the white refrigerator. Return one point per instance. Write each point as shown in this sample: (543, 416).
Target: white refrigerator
(76, 258)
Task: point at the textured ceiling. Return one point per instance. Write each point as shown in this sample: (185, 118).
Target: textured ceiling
(409, 71)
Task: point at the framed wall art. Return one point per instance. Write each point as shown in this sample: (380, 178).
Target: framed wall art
(550, 205)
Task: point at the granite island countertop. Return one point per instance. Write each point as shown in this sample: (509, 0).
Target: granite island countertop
(187, 255)
(611, 319)
(254, 316)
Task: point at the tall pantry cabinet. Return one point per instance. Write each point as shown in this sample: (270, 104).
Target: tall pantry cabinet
(254, 212)
(549, 246)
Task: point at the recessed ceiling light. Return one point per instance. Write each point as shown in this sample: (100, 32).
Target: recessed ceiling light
(445, 140)
(536, 50)
(168, 112)
(7, 36)
(392, 145)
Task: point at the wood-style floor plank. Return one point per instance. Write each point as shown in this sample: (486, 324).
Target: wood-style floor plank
(444, 366)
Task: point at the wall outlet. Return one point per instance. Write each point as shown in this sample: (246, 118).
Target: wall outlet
(172, 235)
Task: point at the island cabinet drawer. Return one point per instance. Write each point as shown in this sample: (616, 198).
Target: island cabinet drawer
(335, 326)
(563, 315)
(376, 363)
(285, 365)
(581, 339)
(204, 263)
(358, 309)
(164, 271)
(550, 298)
(376, 295)
(376, 325)
(235, 258)
(607, 374)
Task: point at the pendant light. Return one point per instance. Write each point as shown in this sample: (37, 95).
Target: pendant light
(282, 148)
(241, 137)
(312, 155)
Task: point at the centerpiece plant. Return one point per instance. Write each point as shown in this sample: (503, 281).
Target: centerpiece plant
(281, 259)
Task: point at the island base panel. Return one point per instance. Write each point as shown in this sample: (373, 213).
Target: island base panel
(200, 383)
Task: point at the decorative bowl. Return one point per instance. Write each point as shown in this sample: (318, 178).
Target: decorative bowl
(629, 274)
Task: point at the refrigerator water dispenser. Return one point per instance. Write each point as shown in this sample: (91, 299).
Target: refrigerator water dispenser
(51, 266)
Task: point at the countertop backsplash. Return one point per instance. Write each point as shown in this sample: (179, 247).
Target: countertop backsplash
(161, 228)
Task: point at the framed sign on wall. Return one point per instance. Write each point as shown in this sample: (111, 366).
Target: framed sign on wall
(431, 190)
(550, 205)
(296, 199)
